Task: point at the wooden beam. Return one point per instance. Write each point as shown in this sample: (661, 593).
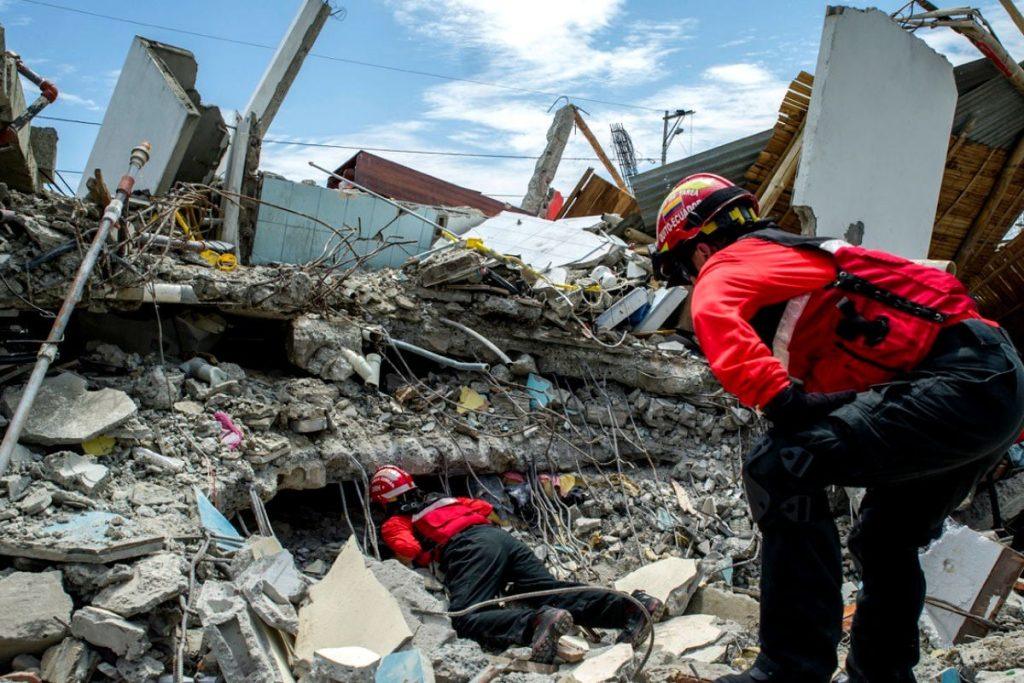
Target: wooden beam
(975, 234)
(585, 129)
(574, 195)
(775, 185)
(967, 187)
(1014, 13)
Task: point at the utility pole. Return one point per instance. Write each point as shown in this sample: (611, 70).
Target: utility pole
(668, 134)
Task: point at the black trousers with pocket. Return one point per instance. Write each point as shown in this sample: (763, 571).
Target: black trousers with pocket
(482, 561)
(919, 445)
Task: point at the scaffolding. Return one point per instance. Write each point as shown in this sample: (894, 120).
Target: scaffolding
(624, 153)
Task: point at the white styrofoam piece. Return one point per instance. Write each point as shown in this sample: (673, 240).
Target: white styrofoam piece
(876, 134)
(666, 300)
(542, 243)
(955, 568)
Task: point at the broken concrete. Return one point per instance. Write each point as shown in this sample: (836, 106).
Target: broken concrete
(726, 604)
(17, 163)
(429, 631)
(155, 580)
(65, 412)
(34, 612)
(75, 471)
(316, 343)
(103, 628)
(684, 636)
(611, 664)
(672, 580)
(343, 664)
(69, 662)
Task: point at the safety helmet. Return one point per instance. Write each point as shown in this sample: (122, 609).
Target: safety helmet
(389, 482)
(692, 205)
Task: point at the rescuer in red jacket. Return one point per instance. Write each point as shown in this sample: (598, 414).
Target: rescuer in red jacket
(875, 372)
(480, 560)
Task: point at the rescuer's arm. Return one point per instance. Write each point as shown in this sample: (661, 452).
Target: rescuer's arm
(398, 534)
(732, 287)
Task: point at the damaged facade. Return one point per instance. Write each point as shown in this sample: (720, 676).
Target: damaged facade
(188, 497)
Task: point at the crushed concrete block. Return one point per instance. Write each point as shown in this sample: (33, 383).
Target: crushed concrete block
(146, 493)
(43, 140)
(459, 660)
(103, 628)
(241, 647)
(145, 669)
(34, 611)
(66, 412)
(343, 664)
(672, 580)
(971, 572)
(315, 345)
(430, 631)
(69, 662)
(37, 500)
(725, 604)
(75, 471)
(408, 666)
(685, 635)
(611, 664)
(155, 580)
(584, 525)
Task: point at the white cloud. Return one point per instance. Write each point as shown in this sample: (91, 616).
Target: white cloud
(78, 101)
(959, 50)
(741, 74)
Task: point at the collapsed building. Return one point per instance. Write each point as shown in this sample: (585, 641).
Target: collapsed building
(187, 498)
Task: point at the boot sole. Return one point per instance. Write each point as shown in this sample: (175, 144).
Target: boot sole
(546, 649)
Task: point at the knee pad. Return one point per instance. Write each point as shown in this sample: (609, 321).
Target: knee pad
(772, 480)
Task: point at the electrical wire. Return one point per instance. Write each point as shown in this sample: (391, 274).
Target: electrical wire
(328, 145)
(343, 60)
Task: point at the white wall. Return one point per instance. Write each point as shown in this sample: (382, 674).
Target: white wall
(148, 104)
(876, 135)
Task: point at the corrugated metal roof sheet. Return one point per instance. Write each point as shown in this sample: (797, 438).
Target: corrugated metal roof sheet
(402, 183)
(730, 160)
(998, 112)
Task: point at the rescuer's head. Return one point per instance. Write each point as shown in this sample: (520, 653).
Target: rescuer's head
(389, 483)
(702, 214)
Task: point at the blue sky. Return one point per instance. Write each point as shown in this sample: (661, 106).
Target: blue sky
(730, 60)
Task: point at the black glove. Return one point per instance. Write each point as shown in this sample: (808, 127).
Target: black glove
(793, 408)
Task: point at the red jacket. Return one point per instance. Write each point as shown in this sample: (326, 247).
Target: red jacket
(828, 337)
(436, 523)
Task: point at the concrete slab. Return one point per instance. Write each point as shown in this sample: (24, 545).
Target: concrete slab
(70, 661)
(334, 615)
(343, 664)
(687, 634)
(33, 612)
(103, 628)
(155, 580)
(612, 664)
(17, 163)
(883, 137)
(672, 580)
(65, 412)
(725, 604)
(75, 471)
(153, 100)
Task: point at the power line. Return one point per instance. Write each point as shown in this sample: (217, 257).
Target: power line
(344, 60)
(489, 194)
(428, 152)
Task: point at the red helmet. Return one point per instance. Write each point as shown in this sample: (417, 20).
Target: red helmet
(389, 482)
(693, 203)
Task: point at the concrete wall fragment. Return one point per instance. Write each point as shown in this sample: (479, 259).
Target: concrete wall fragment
(17, 163)
(876, 135)
(155, 100)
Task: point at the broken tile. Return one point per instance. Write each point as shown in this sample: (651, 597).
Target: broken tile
(407, 666)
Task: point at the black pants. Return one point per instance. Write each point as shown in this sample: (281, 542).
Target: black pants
(918, 445)
(480, 562)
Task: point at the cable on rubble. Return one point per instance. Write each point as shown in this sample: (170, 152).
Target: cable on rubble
(558, 591)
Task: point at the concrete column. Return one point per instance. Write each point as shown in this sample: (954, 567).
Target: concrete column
(547, 164)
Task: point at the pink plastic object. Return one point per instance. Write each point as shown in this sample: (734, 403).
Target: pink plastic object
(232, 435)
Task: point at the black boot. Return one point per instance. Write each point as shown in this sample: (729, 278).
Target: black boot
(549, 625)
(636, 630)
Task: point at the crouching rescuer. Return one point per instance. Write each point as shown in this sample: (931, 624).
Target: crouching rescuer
(481, 561)
(875, 372)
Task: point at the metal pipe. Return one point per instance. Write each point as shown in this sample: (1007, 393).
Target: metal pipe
(47, 94)
(491, 346)
(437, 358)
(48, 349)
(189, 245)
(444, 230)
